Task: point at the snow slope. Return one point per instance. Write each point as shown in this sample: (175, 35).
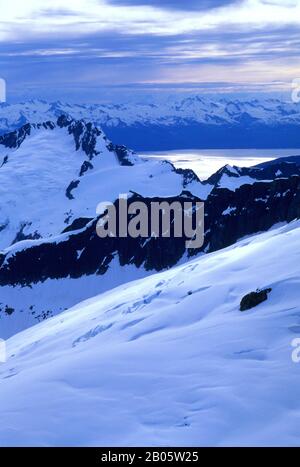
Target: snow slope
(167, 360)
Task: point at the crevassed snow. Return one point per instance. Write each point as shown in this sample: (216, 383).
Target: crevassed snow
(33, 303)
(167, 360)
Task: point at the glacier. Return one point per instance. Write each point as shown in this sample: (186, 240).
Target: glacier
(168, 360)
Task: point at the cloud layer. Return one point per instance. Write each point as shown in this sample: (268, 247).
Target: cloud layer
(177, 4)
(88, 46)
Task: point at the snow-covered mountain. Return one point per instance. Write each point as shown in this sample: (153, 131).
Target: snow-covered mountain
(192, 122)
(54, 173)
(169, 360)
(52, 177)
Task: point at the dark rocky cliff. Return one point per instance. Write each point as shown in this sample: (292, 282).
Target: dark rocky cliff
(229, 216)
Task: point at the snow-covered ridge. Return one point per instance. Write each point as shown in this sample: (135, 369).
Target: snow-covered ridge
(169, 360)
(233, 177)
(87, 137)
(53, 173)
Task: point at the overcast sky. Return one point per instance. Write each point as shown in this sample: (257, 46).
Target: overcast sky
(93, 49)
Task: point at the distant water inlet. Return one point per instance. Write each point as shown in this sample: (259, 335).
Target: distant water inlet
(206, 162)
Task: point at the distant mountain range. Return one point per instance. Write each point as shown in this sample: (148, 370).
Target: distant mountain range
(190, 123)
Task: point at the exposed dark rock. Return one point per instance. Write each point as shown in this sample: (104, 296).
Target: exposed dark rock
(77, 224)
(3, 226)
(85, 134)
(254, 299)
(85, 167)
(188, 175)
(5, 160)
(122, 154)
(229, 216)
(22, 236)
(69, 215)
(8, 310)
(253, 208)
(74, 184)
(268, 171)
(44, 315)
(82, 252)
(14, 139)
(64, 121)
